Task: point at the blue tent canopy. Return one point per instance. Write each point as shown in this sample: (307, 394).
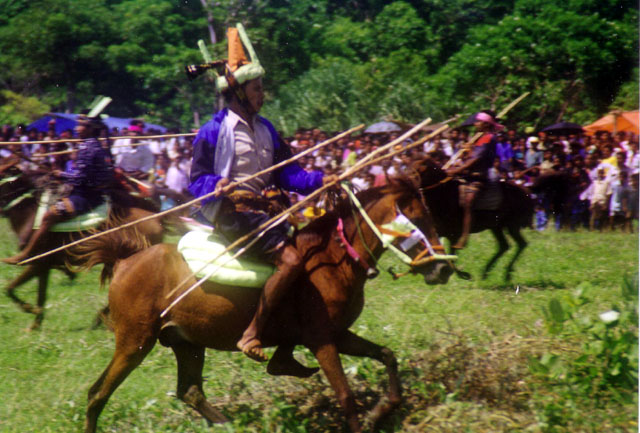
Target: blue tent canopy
(66, 121)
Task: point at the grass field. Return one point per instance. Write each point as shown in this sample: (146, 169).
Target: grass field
(465, 349)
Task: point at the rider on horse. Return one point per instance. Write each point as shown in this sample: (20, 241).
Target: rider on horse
(238, 143)
(91, 179)
(476, 169)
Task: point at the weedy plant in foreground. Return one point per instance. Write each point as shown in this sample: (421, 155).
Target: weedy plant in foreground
(605, 366)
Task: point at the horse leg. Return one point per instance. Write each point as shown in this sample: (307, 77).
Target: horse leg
(354, 345)
(103, 318)
(190, 360)
(503, 246)
(282, 363)
(43, 283)
(329, 360)
(522, 244)
(25, 276)
(69, 273)
(132, 346)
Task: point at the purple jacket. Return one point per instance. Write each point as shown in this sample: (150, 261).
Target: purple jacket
(203, 178)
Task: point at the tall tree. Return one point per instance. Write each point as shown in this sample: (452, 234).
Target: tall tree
(57, 45)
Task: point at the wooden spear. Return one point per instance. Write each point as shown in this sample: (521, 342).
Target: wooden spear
(196, 200)
(75, 140)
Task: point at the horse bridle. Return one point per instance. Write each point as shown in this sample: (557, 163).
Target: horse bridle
(400, 227)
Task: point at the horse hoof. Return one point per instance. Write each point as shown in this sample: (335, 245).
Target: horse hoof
(33, 327)
(464, 275)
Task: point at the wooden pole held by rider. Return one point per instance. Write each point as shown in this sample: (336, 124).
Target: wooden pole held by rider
(194, 201)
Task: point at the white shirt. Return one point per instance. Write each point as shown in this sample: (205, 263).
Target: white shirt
(633, 162)
(233, 127)
(253, 152)
(173, 148)
(177, 179)
(156, 146)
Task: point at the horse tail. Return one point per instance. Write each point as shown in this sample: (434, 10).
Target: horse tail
(108, 249)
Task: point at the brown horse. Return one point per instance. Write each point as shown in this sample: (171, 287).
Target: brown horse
(316, 313)
(19, 198)
(514, 212)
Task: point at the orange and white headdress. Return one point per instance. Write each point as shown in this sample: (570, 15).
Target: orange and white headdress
(238, 69)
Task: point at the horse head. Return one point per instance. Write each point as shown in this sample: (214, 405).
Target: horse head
(401, 214)
(428, 172)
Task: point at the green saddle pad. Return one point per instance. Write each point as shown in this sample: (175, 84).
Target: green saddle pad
(198, 247)
(85, 221)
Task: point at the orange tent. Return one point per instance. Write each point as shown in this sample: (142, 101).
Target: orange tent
(616, 121)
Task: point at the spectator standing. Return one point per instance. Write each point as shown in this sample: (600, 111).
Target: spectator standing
(534, 155)
(599, 200)
(619, 202)
(136, 159)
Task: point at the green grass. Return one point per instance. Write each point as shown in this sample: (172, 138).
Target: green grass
(483, 326)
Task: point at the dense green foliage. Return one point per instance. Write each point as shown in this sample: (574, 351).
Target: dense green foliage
(330, 63)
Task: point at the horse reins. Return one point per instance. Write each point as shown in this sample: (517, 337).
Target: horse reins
(401, 227)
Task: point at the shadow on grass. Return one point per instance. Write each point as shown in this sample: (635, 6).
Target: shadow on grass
(530, 285)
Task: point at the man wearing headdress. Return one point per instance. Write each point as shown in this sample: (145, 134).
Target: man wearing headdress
(92, 177)
(477, 169)
(233, 145)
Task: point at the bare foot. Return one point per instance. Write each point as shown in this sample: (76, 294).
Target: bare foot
(253, 349)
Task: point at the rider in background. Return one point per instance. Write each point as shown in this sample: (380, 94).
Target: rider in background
(476, 169)
(91, 179)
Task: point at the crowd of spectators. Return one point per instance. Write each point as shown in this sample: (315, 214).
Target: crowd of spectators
(601, 170)
(598, 174)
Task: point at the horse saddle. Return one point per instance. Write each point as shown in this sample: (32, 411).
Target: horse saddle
(82, 222)
(200, 246)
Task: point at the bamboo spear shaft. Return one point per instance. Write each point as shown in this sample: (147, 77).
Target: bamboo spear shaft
(477, 135)
(139, 139)
(196, 200)
(76, 140)
(267, 224)
(416, 143)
